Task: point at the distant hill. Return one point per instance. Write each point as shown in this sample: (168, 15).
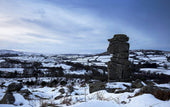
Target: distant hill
(8, 53)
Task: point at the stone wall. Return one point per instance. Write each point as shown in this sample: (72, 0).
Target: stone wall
(118, 67)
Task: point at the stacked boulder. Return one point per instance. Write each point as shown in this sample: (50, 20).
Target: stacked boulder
(118, 67)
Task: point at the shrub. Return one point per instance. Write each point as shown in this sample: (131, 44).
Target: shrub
(54, 81)
(71, 88)
(43, 83)
(46, 104)
(63, 83)
(60, 73)
(29, 83)
(62, 91)
(158, 78)
(149, 65)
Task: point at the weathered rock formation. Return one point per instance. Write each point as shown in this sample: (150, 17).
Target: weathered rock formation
(118, 67)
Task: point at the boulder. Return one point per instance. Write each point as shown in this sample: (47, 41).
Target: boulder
(8, 99)
(159, 92)
(25, 92)
(96, 86)
(58, 97)
(14, 87)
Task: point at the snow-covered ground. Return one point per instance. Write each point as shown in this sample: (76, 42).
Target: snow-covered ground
(145, 100)
(19, 70)
(81, 97)
(97, 60)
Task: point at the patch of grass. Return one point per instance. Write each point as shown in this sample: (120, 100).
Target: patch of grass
(67, 101)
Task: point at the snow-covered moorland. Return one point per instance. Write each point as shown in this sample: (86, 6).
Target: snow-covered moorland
(63, 95)
(81, 80)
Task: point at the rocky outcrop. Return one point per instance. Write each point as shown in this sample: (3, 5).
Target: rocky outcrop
(118, 67)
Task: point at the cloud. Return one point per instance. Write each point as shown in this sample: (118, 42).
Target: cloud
(48, 27)
(46, 24)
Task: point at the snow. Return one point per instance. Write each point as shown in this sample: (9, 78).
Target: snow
(19, 100)
(143, 83)
(97, 103)
(78, 95)
(99, 64)
(45, 92)
(159, 58)
(139, 53)
(78, 72)
(146, 100)
(9, 52)
(64, 66)
(81, 90)
(99, 98)
(19, 70)
(49, 65)
(52, 64)
(2, 60)
(163, 85)
(104, 58)
(2, 93)
(117, 85)
(7, 105)
(114, 100)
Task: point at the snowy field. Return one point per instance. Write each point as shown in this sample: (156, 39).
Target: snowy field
(156, 70)
(80, 96)
(76, 93)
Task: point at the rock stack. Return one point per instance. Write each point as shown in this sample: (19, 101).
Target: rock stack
(118, 67)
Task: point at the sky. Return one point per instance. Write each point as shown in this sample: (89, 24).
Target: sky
(83, 26)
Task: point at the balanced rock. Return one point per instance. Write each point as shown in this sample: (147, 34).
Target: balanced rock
(118, 67)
